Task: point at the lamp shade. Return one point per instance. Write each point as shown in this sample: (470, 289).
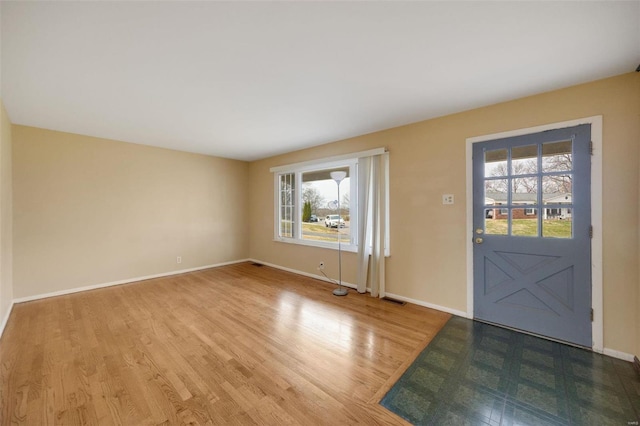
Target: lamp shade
(338, 175)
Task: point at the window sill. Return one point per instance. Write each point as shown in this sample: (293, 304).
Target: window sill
(331, 246)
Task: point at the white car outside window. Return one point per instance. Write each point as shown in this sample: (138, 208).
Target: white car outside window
(333, 221)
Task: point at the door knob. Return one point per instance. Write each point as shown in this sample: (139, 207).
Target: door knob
(479, 240)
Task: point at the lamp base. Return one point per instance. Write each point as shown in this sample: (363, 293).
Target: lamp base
(340, 291)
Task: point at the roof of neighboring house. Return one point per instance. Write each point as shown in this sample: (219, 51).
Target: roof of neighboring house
(557, 198)
(527, 198)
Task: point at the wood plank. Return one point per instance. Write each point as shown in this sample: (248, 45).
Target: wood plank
(239, 344)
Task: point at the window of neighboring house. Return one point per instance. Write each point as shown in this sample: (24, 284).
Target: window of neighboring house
(308, 210)
(529, 212)
(553, 212)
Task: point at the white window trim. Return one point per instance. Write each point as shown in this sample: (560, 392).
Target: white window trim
(336, 158)
(298, 169)
(324, 163)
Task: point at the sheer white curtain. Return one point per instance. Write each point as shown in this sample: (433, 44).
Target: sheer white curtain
(373, 212)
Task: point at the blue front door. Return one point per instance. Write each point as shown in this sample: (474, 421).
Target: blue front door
(532, 243)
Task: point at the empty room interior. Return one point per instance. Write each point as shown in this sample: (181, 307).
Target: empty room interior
(320, 213)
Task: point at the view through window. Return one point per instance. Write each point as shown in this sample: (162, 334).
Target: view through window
(309, 209)
(324, 216)
(528, 190)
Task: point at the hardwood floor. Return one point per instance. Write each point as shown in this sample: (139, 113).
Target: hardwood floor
(239, 344)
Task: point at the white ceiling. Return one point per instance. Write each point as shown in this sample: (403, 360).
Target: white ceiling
(248, 80)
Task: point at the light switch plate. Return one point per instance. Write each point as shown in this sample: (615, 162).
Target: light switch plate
(447, 199)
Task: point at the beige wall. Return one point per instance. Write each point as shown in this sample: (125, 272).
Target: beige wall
(6, 245)
(89, 211)
(427, 159)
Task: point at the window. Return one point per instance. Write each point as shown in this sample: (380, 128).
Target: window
(308, 209)
(287, 189)
(539, 176)
(314, 215)
(553, 212)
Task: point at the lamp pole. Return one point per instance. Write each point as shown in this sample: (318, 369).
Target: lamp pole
(338, 176)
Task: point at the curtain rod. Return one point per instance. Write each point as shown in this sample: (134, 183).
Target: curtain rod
(361, 154)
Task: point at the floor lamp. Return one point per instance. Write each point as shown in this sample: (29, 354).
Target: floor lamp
(339, 176)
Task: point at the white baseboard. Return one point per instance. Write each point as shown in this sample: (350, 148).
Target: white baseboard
(609, 352)
(618, 354)
(120, 282)
(393, 296)
(6, 318)
(428, 305)
(306, 274)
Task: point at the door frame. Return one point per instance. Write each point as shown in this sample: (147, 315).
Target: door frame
(597, 331)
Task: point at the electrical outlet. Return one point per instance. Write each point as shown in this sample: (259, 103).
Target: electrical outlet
(447, 198)
(321, 266)
(179, 259)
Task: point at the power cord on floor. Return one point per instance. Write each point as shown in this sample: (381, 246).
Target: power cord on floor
(330, 279)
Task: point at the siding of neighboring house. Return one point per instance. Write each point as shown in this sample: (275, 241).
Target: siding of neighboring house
(527, 209)
(518, 213)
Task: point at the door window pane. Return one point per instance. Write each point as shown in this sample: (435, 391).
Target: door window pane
(556, 189)
(495, 223)
(521, 173)
(495, 163)
(523, 224)
(557, 227)
(524, 160)
(495, 191)
(524, 190)
(557, 157)
(558, 200)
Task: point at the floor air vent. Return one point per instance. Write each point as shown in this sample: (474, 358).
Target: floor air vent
(256, 264)
(397, 302)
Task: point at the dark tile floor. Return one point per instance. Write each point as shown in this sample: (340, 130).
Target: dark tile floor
(477, 374)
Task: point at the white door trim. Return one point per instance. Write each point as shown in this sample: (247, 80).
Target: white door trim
(597, 329)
